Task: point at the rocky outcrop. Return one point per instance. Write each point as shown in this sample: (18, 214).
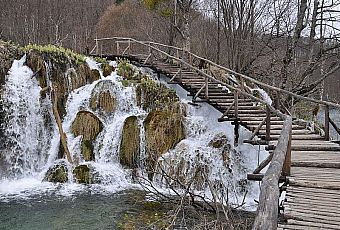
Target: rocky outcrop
(130, 142)
(58, 173)
(153, 95)
(83, 174)
(163, 130)
(103, 97)
(88, 126)
(107, 69)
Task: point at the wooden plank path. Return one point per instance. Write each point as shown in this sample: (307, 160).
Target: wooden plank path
(313, 195)
(309, 164)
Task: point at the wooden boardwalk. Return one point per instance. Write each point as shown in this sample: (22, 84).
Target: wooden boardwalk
(311, 182)
(313, 192)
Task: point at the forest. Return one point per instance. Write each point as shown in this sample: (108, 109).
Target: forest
(290, 44)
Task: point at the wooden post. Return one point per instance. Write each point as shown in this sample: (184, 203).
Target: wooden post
(326, 122)
(97, 47)
(288, 160)
(129, 49)
(236, 103)
(180, 71)
(236, 127)
(206, 88)
(117, 48)
(277, 100)
(267, 123)
(101, 50)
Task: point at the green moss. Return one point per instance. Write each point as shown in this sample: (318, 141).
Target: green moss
(127, 70)
(87, 150)
(82, 174)
(57, 174)
(59, 55)
(107, 69)
(152, 95)
(95, 74)
(129, 147)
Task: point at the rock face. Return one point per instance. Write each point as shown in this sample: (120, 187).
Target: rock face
(107, 69)
(82, 174)
(163, 130)
(58, 173)
(130, 143)
(103, 97)
(152, 95)
(89, 126)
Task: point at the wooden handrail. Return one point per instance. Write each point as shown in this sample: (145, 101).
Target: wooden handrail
(267, 211)
(258, 83)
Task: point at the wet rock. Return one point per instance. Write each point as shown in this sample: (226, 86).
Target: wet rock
(163, 130)
(36, 62)
(218, 141)
(95, 74)
(153, 95)
(103, 97)
(83, 174)
(107, 69)
(87, 125)
(58, 173)
(87, 150)
(129, 146)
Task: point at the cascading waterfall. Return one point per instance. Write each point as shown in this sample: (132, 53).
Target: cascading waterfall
(33, 147)
(25, 113)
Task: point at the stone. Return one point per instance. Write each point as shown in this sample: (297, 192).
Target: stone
(219, 141)
(103, 97)
(163, 130)
(86, 124)
(83, 174)
(58, 173)
(87, 150)
(130, 142)
(107, 69)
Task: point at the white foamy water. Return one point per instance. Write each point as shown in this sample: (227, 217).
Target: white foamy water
(33, 148)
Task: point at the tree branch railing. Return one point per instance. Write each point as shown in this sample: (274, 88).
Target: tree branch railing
(280, 163)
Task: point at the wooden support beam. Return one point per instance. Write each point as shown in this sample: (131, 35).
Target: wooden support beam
(334, 126)
(326, 122)
(267, 123)
(263, 164)
(288, 160)
(258, 128)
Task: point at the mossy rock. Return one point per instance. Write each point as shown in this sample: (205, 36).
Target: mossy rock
(87, 150)
(153, 95)
(129, 146)
(95, 74)
(107, 69)
(57, 174)
(103, 97)
(163, 130)
(87, 125)
(83, 174)
(35, 61)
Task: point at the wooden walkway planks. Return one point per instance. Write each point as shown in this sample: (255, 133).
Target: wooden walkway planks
(313, 194)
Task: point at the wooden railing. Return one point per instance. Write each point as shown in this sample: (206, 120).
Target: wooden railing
(280, 159)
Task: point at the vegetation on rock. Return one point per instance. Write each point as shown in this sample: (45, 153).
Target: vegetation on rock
(82, 174)
(130, 142)
(87, 150)
(153, 95)
(58, 173)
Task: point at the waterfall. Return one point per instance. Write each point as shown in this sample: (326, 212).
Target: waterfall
(33, 141)
(27, 137)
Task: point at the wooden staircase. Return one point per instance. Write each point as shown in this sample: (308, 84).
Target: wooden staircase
(310, 174)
